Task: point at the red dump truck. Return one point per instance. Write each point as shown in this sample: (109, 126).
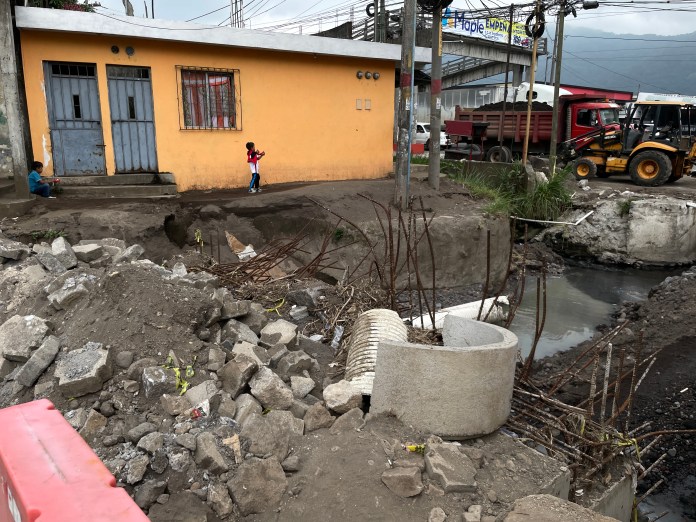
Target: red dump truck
(504, 136)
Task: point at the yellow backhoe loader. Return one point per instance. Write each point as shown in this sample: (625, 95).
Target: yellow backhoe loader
(656, 144)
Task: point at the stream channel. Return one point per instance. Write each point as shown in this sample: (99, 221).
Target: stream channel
(578, 300)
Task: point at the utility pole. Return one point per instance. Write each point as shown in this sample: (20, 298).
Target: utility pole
(556, 86)
(511, 22)
(152, 8)
(403, 156)
(435, 100)
(532, 72)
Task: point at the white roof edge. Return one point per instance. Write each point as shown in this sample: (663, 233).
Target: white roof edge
(113, 25)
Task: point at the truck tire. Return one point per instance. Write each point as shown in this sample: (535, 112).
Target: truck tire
(583, 168)
(650, 168)
(499, 154)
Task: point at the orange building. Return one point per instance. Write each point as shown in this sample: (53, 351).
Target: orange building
(109, 95)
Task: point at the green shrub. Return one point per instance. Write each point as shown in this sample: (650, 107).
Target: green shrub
(624, 207)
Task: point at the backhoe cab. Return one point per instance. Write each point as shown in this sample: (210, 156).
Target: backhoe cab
(655, 145)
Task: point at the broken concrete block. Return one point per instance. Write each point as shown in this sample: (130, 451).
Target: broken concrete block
(252, 351)
(137, 467)
(87, 253)
(216, 358)
(437, 514)
(307, 297)
(207, 454)
(132, 253)
(13, 249)
(351, 421)
(219, 498)
(51, 263)
(84, 370)
(298, 313)
(279, 332)
(404, 482)
(38, 362)
(270, 390)
(179, 270)
(473, 514)
(137, 433)
(151, 443)
(342, 397)
(234, 331)
(256, 319)
(232, 308)
(299, 409)
(174, 404)
(67, 295)
(294, 363)
(235, 375)
(20, 335)
(63, 252)
(301, 386)
(6, 367)
(227, 407)
(101, 262)
(275, 354)
(268, 435)
(76, 418)
(158, 381)
(94, 423)
(317, 417)
(247, 405)
(307, 344)
(200, 393)
(453, 470)
(258, 485)
(147, 493)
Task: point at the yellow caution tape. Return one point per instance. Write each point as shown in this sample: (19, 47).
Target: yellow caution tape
(275, 308)
(416, 448)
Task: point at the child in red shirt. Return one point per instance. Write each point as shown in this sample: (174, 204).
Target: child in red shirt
(253, 157)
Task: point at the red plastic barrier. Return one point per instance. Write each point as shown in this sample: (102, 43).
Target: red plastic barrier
(48, 473)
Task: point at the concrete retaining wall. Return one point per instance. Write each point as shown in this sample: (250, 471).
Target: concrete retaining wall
(457, 391)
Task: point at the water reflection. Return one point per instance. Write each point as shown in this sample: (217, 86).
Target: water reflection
(577, 301)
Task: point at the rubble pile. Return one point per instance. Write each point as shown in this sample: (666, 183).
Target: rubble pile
(209, 407)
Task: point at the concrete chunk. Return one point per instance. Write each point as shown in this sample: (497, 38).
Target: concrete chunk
(207, 454)
(235, 375)
(234, 331)
(62, 250)
(258, 485)
(279, 332)
(342, 396)
(270, 390)
(247, 406)
(451, 468)
(404, 482)
(294, 363)
(38, 362)
(547, 508)
(301, 386)
(231, 308)
(252, 351)
(87, 253)
(51, 263)
(84, 370)
(20, 335)
(10, 249)
(202, 392)
(67, 295)
(158, 381)
(132, 253)
(269, 434)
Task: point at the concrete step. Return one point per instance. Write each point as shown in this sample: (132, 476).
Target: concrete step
(116, 191)
(11, 206)
(119, 179)
(6, 186)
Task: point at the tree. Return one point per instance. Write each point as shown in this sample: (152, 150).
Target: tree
(69, 5)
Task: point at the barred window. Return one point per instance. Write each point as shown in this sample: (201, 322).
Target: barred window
(209, 99)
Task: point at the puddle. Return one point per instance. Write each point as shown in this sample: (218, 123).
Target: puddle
(577, 301)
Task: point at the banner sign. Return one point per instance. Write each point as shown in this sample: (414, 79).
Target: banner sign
(491, 29)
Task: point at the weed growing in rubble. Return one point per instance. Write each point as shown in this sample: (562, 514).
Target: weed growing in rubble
(545, 201)
(47, 235)
(624, 207)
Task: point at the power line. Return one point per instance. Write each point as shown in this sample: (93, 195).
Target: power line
(206, 14)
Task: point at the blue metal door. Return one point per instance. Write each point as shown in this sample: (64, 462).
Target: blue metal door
(132, 119)
(74, 118)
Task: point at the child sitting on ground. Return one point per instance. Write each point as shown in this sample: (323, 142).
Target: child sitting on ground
(37, 184)
(253, 157)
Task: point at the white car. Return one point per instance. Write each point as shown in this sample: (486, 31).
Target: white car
(423, 136)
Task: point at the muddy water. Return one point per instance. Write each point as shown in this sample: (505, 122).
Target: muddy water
(577, 301)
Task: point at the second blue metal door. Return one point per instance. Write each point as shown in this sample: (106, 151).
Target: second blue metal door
(132, 119)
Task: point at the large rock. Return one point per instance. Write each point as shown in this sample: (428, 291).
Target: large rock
(207, 454)
(51, 263)
(202, 392)
(342, 397)
(13, 249)
(256, 319)
(71, 292)
(270, 390)
(235, 375)
(317, 417)
(404, 482)
(247, 406)
(231, 308)
(351, 421)
(139, 431)
(84, 370)
(157, 381)
(301, 386)
(269, 434)
(19, 336)
(132, 253)
(38, 362)
(94, 423)
(252, 351)
(147, 493)
(151, 443)
(547, 508)
(454, 471)
(279, 332)
(174, 404)
(258, 485)
(235, 331)
(294, 363)
(137, 466)
(219, 498)
(63, 252)
(181, 507)
(87, 253)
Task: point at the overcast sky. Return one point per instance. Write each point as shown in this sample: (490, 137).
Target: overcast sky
(267, 13)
